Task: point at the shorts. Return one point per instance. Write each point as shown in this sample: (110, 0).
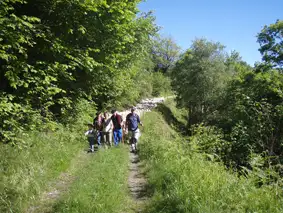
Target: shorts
(135, 134)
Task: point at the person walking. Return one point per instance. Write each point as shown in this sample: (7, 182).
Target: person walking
(107, 129)
(98, 125)
(90, 133)
(132, 124)
(117, 127)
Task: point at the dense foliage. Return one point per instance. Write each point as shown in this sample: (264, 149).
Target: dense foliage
(271, 42)
(240, 107)
(55, 53)
(165, 53)
(183, 180)
(199, 77)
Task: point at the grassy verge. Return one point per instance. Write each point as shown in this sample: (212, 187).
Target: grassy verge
(25, 173)
(184, 181)
(101, 186)
(176, 118)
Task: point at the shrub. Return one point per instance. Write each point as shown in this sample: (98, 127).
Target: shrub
(185, 181)
(161, 85)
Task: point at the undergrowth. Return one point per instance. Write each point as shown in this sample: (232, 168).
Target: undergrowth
(26, 171)
(185, 181)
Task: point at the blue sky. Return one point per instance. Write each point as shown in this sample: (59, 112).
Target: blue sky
(234, 23)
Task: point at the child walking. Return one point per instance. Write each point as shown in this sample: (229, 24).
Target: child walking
(90, 133)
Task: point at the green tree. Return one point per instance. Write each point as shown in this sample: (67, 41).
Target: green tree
(55, 52)
(165, 52)
(199, 77)
(271, 44)
(251, 114)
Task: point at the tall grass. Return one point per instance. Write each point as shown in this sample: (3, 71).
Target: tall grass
(25, 172)
(101, 186)
(184, 181)
(176, 118)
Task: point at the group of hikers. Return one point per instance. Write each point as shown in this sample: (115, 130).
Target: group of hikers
(105, 128)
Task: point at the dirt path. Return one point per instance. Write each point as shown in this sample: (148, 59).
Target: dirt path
(137, 184)
(136, 181)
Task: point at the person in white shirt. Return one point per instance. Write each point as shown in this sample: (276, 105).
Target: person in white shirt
(107, 129)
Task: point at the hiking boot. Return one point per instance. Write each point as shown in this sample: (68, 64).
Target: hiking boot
(134, 151)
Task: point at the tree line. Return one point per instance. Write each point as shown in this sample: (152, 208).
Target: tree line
(235, 109)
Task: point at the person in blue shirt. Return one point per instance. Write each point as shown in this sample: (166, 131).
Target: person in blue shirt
(132, 123)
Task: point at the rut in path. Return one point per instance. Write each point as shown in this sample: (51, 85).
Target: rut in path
(137, 183)
(58, 186)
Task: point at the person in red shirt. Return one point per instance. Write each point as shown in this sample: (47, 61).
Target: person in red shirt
(117, 127)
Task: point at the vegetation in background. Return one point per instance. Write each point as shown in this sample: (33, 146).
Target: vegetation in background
(238, 104)
(251, 115)
(199, 78)
(55, 53)
(270, 40)
(183, 180)
(165, 52)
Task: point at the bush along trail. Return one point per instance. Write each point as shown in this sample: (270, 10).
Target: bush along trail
(111, 180)
(184, 180)
(168, 175)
